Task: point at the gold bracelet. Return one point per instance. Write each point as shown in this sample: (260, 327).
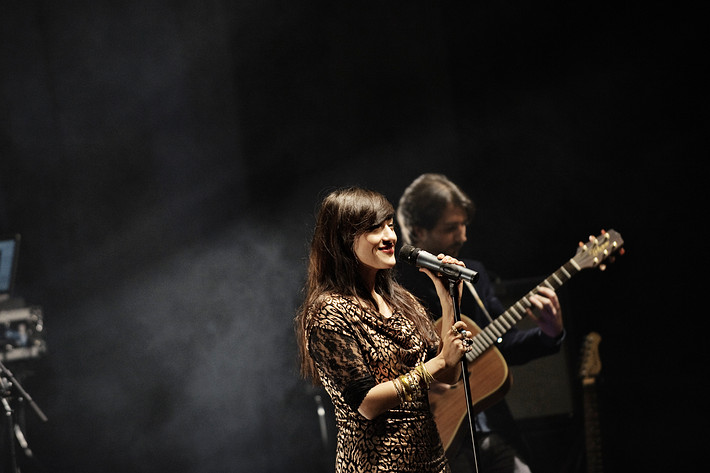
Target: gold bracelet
(426, 376)
(429, 376)
(414, 382)
(418, 369)
(426, 371)
(407, 387)
(398, 388)
(405, 383)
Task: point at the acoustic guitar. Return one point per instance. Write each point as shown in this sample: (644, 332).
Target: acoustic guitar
(489, 377)
(589, 370)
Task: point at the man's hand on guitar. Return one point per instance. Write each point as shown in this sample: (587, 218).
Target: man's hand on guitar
(549, 317)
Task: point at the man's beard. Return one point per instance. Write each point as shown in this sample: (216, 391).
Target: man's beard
(453, 250)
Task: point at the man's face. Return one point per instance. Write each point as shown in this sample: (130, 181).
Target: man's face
(447, 236)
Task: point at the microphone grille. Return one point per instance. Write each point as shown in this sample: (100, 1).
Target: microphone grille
(409, 254)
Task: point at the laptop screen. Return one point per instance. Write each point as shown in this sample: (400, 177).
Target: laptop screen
(9, 249)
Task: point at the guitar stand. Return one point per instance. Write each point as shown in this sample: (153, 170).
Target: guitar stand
(464, 371)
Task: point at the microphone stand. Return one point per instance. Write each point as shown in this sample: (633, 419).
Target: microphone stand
(14, 431)
(10, 431)
(464, 371)
(23, 393)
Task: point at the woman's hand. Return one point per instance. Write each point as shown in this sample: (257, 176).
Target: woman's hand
(455, 337)
(455, 343)
(441, 283)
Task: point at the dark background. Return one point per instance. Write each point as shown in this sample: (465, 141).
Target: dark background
(163, 160)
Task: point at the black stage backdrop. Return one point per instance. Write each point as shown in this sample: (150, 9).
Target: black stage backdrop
(162, 161)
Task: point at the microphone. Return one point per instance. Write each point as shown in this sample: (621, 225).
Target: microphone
(423, 259)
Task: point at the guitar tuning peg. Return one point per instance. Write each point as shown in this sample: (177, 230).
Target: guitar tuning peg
(602, 267)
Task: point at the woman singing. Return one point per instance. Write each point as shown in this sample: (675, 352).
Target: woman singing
(370, 343)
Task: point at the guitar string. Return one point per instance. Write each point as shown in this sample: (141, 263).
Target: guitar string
(487, 341)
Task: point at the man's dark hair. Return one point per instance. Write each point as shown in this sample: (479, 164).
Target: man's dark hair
(424, 201)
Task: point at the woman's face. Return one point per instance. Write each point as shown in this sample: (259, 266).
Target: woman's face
(375, 248)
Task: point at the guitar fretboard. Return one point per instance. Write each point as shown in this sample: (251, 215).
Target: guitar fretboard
(595, 463)
(507, 320)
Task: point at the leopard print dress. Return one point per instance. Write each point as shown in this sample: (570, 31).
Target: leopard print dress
(349, 345)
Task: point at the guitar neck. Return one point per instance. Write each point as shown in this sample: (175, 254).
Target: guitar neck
(517, 312)
(591, 428)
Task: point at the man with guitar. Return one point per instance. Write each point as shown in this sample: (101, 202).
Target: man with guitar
(433, 214)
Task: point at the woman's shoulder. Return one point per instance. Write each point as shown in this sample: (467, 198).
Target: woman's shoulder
(332, 310)
(332, 300)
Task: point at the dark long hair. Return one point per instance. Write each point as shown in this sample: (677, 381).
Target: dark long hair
(344, 215)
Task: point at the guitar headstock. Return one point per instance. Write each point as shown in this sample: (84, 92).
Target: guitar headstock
(591, 364)
(598, 250)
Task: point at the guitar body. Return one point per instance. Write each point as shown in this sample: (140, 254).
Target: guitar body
(489, 380)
